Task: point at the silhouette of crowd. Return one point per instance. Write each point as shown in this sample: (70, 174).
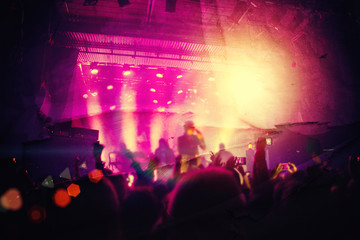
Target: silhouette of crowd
(218, 201)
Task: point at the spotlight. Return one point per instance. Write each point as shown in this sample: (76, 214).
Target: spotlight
(123, 3)
(94, 68)
(90, 2)
(159, 75)
(179, 76)
(152, 90)
(169, 102)
(127, 73)
(109, 87)
(155, 101)
(85, 96)
(94, 71)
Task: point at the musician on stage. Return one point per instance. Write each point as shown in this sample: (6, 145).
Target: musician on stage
(188, 146)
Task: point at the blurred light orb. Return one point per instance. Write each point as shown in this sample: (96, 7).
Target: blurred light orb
(94, 71)
(127, 73)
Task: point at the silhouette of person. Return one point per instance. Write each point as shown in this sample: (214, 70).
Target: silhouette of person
(144, 178)
(164, 153)
(223, 154)
(188, 145)
(260, 170)
(99, 164)
(123, 162)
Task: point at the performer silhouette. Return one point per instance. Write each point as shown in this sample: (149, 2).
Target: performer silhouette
(188, 146)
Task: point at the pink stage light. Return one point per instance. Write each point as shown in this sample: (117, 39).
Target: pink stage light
(109, 87)
(179, 76)
(152, 90)
(159, 75)
(94, 71)
(85, 96)
(127, 73)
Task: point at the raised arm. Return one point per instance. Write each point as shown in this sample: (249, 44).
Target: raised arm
(201, 139)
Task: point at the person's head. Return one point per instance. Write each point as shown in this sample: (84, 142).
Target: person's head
(189, 127)
(163, 143)
(201, 190)
(141, 209)
(122, 146)
(201, 205)
(261, 143)
(221, 146)
(96, 208)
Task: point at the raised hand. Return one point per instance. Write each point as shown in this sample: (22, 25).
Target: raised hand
(292, 168)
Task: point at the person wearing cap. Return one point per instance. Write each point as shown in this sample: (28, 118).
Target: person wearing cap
(188, 145)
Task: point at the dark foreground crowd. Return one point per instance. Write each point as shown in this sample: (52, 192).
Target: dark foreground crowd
(213, 202)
